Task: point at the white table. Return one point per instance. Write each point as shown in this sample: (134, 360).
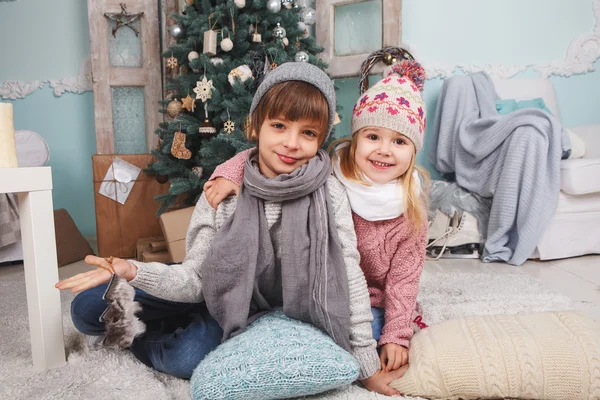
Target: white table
(34, 187)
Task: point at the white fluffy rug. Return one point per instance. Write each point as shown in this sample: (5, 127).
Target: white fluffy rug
(108, 374)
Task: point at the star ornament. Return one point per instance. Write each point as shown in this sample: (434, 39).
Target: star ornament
(204, 89)
(189, 103)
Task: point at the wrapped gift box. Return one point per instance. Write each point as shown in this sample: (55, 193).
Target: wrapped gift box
(119, 226)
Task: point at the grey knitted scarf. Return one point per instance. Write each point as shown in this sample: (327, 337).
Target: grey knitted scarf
(239, 273)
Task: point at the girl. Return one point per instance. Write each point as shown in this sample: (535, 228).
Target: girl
(289, 228)
(377, 167)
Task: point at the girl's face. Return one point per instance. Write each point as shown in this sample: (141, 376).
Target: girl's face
(285, 145)
(382, 154)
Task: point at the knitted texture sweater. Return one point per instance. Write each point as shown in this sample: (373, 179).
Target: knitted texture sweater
(391, 257)
(183, 282)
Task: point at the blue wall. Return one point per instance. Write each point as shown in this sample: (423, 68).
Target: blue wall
(41, 39)
(48, 40)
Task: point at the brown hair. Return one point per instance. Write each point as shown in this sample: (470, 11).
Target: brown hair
(415, 199)
(292, 100)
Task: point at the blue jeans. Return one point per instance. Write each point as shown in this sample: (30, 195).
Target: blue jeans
(378, 321)
(178, 335)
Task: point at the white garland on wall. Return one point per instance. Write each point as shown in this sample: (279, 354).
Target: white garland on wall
(581, 55)
(20, 89)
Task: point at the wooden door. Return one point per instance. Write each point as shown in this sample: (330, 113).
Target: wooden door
(126, 74)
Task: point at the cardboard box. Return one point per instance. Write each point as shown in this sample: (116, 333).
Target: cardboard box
(71, 246)
(119, 226)
(143, 244)
(174, 226)
(159, 256)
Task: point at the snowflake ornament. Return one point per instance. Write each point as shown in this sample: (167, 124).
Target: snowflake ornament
(229, 127)
(172, 62)
(204, 89)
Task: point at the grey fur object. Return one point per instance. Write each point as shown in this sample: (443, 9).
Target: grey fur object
(121, 324)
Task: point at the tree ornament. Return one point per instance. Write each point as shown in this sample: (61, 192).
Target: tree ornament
(240, 3)
(301, 56)
(198, 170)
(273, 65)
(287, 3)
(279, 31)
(209, 45)
(178, 148)
(274, 6)
(256, 37)
(308, 15)
(174, 108)
(207, 129)
(193, 55)
(285, 41)
(227, 43)
(204, 89)
(229, 126)
(189, 103)
(176, 31)
(162, 179)
(172, 62)
(190, 2)
(243, 73)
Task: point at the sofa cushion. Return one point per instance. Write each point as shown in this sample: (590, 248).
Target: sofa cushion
(552, 356)
(527, 89)
(275, 358)
(580, 176)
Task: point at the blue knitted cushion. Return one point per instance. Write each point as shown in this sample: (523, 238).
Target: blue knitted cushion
(275, 358)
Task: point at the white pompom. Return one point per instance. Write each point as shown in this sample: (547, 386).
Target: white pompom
(240, 3)
(192, 55)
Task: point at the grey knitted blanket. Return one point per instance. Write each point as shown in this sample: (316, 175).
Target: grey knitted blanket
(515, 159)
(10, 228)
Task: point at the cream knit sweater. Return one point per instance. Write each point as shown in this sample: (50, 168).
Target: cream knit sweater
(183, 282)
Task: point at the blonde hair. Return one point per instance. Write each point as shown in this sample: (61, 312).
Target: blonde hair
(294, 101)
(415, 199)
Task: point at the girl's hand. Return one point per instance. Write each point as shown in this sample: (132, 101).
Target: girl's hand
(393, 356)
(218, 189)
(86, 280)
(380, 381)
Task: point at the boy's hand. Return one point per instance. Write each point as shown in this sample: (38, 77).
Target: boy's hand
(86, 280)
(380, 381)
(218, 189)
(393, 356)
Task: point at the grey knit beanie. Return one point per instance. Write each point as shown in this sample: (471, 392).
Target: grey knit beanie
(299, 71)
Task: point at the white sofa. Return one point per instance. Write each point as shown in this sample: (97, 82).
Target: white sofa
(32, 151)
(575, 228)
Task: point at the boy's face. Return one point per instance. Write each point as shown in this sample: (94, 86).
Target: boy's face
(285, 145)
(382, 154)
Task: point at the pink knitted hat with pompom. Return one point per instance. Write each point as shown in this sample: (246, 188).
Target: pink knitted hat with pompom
(395, 103)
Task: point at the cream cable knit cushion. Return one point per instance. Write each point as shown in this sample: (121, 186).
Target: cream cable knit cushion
(538, 356)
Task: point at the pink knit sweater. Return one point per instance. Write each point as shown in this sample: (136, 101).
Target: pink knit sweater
(391, 257)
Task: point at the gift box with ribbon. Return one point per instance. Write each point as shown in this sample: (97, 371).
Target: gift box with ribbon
(124, 199)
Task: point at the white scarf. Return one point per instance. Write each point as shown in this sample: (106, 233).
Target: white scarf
(377, 202)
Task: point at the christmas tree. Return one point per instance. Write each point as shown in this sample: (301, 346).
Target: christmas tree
(223, 50)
